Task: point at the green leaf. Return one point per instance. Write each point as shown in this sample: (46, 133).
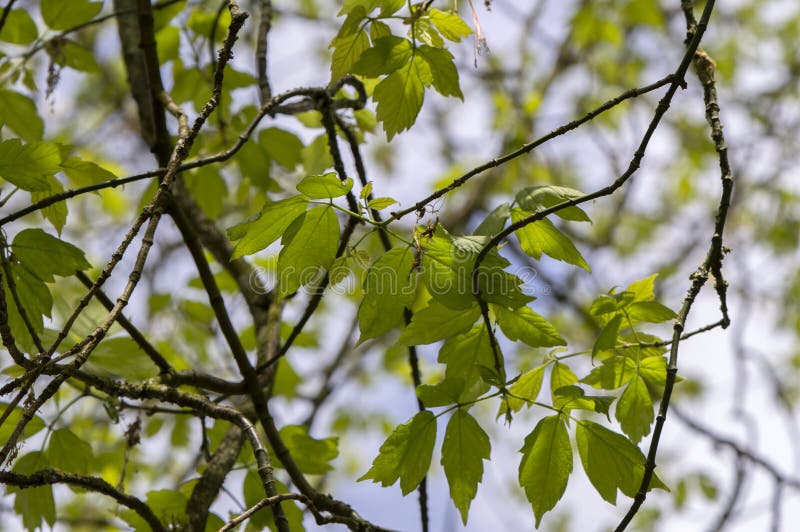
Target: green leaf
(367, 6)
(326, 186)
(450, 25)
(347, 50)
(68, 452)
(464, 449)
(253, 491)
(386, 55)
(613, 373)
(281, 146)
(19, 28)
(654, 371)
(465, 354)
(443, 69)
(546, 465)
(399, 97)
(390, 7)
(168, 505)
(366, 191)
(608, 336)
(443, 393)
(28, 165)
(45, 255)
(572, 397)
(437, 322)
(83, 173)
(649, 311)
(312, 456)
(378, 30)
(425, 32)
(33, 295)
(61, 15)
(448, 268)
(543, 237)
(77, 56)
(389, 287)
(495, 221)
(611, 461)
(300, 264)
(527, 386)
(406, 454)
(273, 221)
(18, 112)
(381, 203)
(635, 410)
(7, 428)
(208, 188)
(34, 504)
(56, 213)
(121, 357)
(535, 199)
(643, 289)
(524, 324)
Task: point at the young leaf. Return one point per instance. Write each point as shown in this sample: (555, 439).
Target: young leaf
(526, 388)
(643, 289)
(649, 311)
(45, 255)
(524, 324)
(389, 287)
(465, 447)
(326, 186)
(635, 410)
(399, 97)
(366, 191)
(28, 166)
(312, 456)
(406, 454)
(299, 263)
(275, 218)
(381, 203)
(611, 461)
(546, 465)
(449, 25)
(613, 373)
(437, 322)
(543, 237)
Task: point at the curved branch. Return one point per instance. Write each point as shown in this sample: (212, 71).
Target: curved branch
(46, 477)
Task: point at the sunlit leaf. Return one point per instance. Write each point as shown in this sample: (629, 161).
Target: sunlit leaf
(406, 454)
(465, 447)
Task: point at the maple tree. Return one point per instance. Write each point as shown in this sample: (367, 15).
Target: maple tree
(267, 260)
